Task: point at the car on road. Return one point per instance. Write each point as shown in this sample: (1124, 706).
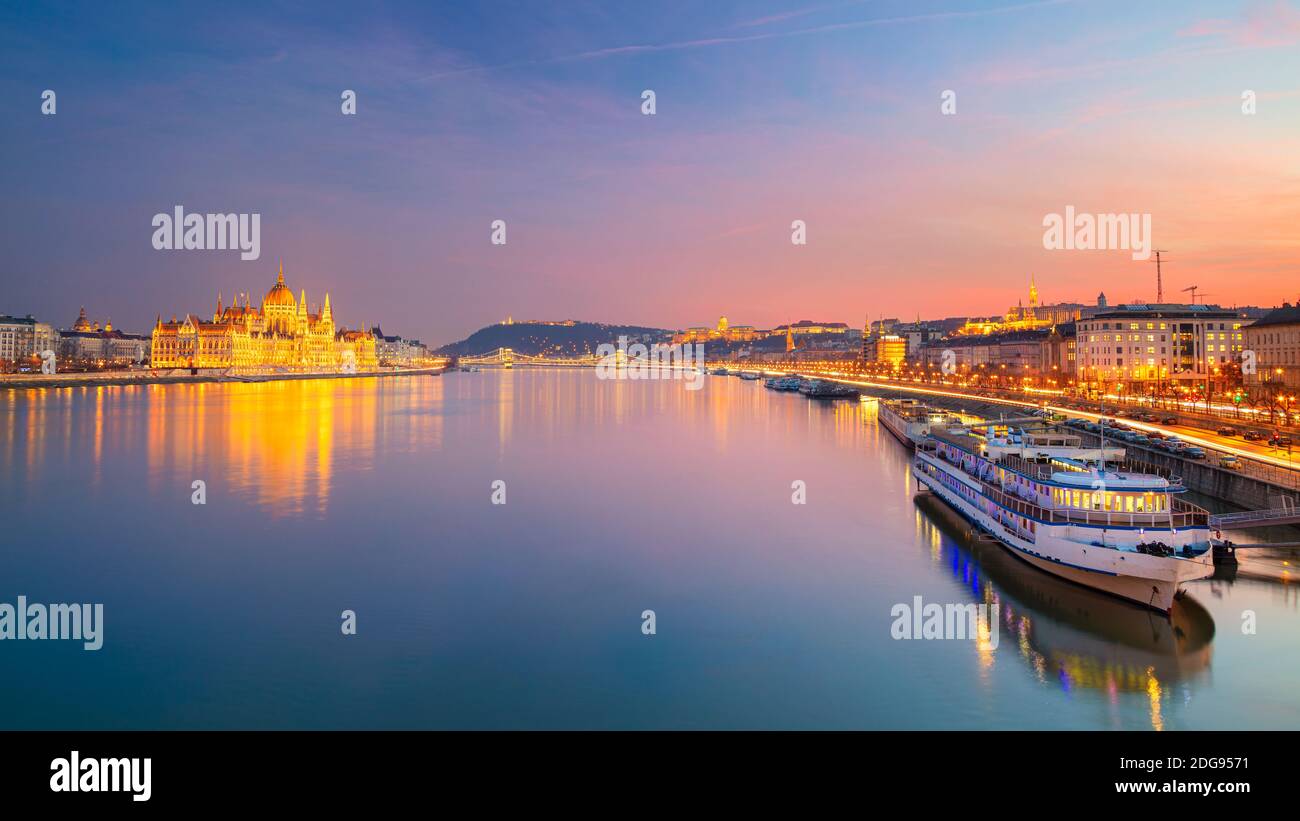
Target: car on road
(1252, 436)
(1229, 462)
(1279, 441)
(1227, 431)
(1169, 420)
(1194, 452)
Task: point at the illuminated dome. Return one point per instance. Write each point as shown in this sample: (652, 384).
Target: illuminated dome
(279, 294)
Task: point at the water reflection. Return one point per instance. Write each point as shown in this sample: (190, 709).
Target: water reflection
(273, 443)
(622, 493)
(1068, 635)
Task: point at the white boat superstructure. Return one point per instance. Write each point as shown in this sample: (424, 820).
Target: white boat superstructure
(1072, 511)
(910, 419)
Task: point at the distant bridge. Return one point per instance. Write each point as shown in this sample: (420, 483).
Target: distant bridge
(508, 358)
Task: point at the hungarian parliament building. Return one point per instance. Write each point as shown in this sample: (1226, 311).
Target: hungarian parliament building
(280, 335)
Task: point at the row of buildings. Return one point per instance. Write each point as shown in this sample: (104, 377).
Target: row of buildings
(25, 339)
(803, 330)
(1141, 348)
(282, 333)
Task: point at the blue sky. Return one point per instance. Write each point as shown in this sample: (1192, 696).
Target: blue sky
(530, 112)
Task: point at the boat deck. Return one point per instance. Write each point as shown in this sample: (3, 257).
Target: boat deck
(1181, 514)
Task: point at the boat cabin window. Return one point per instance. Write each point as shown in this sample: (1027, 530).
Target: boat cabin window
(1147, 502)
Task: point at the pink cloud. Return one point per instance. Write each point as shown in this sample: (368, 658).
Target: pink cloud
(1262, 25)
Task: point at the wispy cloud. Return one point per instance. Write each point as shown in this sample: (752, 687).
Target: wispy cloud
(709, 42)
(781, 17)
(1262, 25)
(741, 230)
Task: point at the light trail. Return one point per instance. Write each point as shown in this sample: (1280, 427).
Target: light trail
(1213, 444)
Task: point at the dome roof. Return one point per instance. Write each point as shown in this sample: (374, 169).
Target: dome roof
(280, 293)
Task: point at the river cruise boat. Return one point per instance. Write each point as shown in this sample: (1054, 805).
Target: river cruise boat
(910, 419)
(1076, 512)
(821, 389)
(783, 383)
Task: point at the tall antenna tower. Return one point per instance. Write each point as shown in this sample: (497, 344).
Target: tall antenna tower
(1160, 283)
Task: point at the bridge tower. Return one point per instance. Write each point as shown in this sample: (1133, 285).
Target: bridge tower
(508, 357)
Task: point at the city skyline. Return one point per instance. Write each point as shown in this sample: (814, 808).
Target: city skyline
(983, 318)
(829, 366)
(907, 210)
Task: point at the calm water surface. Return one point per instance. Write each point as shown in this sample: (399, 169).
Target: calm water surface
(375, 496)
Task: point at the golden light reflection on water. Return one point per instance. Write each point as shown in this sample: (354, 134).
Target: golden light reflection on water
(1153, 690)
(1074, 638)
(276, 444)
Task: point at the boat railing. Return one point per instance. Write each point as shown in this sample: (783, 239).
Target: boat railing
(1180, 515)
(1043, 470)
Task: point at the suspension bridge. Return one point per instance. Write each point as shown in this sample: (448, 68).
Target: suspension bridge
(508, 358)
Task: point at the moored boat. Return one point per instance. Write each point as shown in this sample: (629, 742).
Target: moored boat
(910, 419)
(820, 389)
(1072, 511)
(783, 383)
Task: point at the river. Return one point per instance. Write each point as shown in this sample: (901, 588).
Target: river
(380, 497)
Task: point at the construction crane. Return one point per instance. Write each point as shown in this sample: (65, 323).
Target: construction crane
(1160, 285)
(1193, 290)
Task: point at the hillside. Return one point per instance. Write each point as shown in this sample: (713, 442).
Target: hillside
(575, 339)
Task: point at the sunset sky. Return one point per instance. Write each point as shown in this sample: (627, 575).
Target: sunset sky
(767, 111)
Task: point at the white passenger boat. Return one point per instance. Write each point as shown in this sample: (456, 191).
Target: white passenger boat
(1072, 511)
(910, 419)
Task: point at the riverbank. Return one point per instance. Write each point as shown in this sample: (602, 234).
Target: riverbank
(171, 377)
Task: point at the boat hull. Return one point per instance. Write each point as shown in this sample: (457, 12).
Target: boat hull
(892, 423)
(1152, 581)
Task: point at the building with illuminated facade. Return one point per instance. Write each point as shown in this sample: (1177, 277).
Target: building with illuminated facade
(89, 344)
(724, 332)
(280, 334)
(1147, 347)
(891, 350)
(1032, 317)
(1011, 354)
(805, 327)
(24, 338)
(1275, 341)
